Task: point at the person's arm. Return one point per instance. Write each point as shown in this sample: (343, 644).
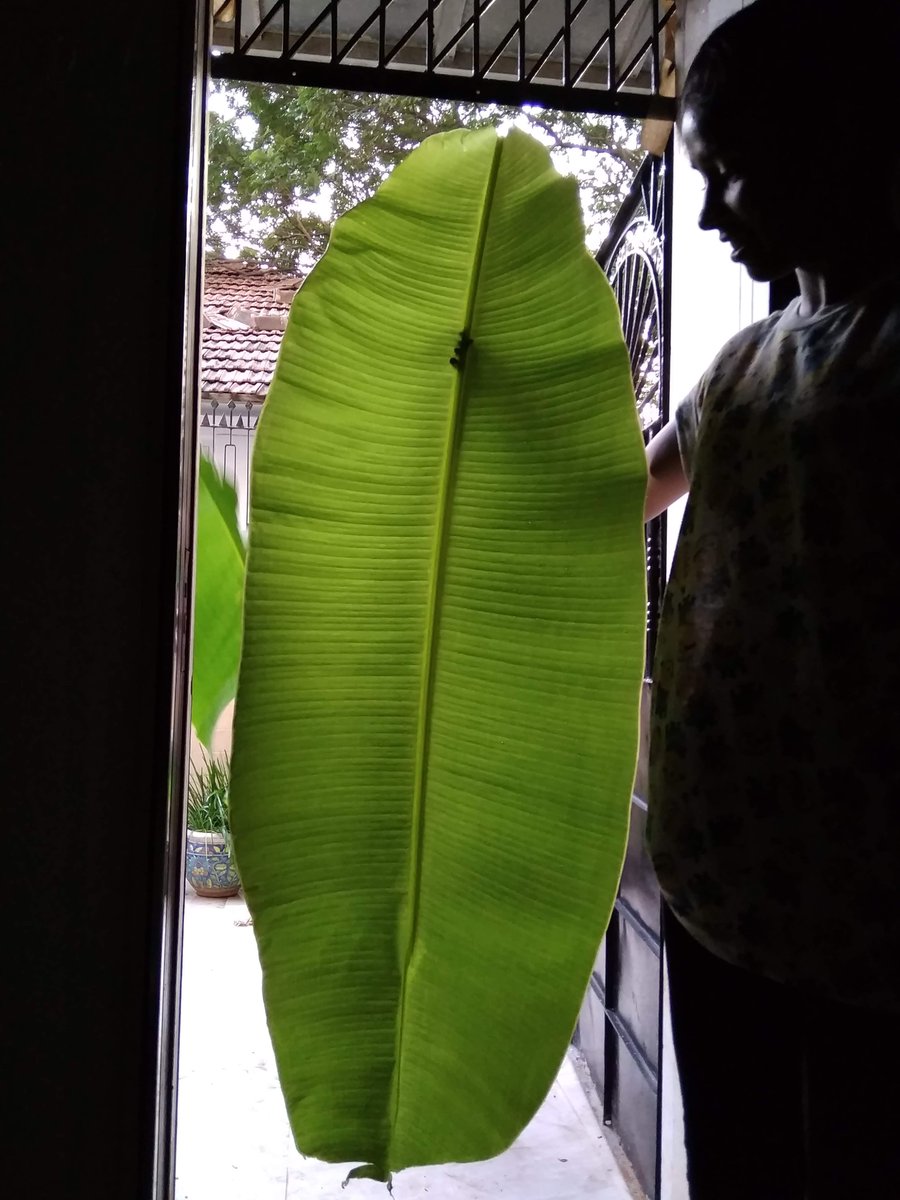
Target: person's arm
(666, 480)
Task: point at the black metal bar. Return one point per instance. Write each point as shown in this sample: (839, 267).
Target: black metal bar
(645, 365)
(643, 313)
(647, 361)
(560, 33)
(609, 36)
(611, 81)
(645, 932)
(524, 11)
(252, 422)
(523, 15)
(567, 43)
(429, 37)
(650, 189)
(633, 1046)
(660, 532)
(624, 216)
(237, 25)
(634, 63)
(310, 29)
(626, 301)
(398, 46)
(654, 62)
(398, 81)
(541, 62)
(334, 31)
(382, 30)
(261, 27)
(286, 28)
(498, 52)
(656, 529)
(354, 37)
(477, 12)
(660, 1065)
(658, 25)
(610, 1001)
(645, 292)
(598, 988)
(476, 39)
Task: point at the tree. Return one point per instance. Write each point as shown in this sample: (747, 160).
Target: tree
(285, 162)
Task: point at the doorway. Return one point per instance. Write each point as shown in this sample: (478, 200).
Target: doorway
(253, 55)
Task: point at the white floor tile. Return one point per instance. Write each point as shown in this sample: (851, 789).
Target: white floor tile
(233, 1137)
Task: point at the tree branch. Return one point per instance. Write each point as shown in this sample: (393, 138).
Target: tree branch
(562, 144)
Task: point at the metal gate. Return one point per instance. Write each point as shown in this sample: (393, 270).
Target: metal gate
(619, 1029)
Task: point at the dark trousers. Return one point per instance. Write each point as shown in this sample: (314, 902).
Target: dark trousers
(786, 1096)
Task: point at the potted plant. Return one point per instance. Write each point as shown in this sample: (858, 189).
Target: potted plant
(210, 865)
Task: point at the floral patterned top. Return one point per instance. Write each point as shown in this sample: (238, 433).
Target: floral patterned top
(774, 783)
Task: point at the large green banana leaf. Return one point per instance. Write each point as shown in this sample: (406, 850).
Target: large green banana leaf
(218, 588)
(436, 720)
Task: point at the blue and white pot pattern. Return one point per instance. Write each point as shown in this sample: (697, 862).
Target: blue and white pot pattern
(210, 869)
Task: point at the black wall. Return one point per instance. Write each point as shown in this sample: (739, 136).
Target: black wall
(96, 140)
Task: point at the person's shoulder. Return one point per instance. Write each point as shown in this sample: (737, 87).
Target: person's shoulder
(740, 351)
(752, 337)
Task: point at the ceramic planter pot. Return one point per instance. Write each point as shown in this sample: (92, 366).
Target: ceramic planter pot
(210, 870)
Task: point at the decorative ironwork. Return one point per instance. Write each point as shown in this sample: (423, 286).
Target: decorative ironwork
(596, 55)
(227, 435)
(620, 1030)
(634, 258)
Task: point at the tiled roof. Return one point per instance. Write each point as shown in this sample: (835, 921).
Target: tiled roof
(232, 285)
(245, 310)
(239, 362)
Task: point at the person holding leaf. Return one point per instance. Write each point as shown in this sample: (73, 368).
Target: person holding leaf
(774, 824)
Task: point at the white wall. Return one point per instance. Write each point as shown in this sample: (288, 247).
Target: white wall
(712, 298)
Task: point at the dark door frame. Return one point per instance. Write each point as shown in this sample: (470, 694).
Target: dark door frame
(104, 149)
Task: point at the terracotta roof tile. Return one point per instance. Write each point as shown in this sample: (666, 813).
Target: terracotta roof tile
(239, 361)
(231, 283)
(245, 311)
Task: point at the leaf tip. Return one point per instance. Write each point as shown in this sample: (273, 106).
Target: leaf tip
(371, 1171)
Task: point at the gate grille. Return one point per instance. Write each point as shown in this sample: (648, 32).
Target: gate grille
(620, 1028)
(633, 257)
(592, 55)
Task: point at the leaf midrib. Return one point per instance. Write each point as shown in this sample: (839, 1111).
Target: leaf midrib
(432, 629)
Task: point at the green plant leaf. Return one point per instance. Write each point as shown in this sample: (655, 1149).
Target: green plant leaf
(436, 722)
(218, 600)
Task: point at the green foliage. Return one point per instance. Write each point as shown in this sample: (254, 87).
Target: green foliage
(272, 151)
(207, 806)
(437, 712)
(218, 598)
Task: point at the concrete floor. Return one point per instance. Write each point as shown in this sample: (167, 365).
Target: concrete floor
(233, 1137)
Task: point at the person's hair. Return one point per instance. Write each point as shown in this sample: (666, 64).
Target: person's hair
(819, 66)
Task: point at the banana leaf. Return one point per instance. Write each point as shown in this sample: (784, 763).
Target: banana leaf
(218, 591)
(437, 711)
